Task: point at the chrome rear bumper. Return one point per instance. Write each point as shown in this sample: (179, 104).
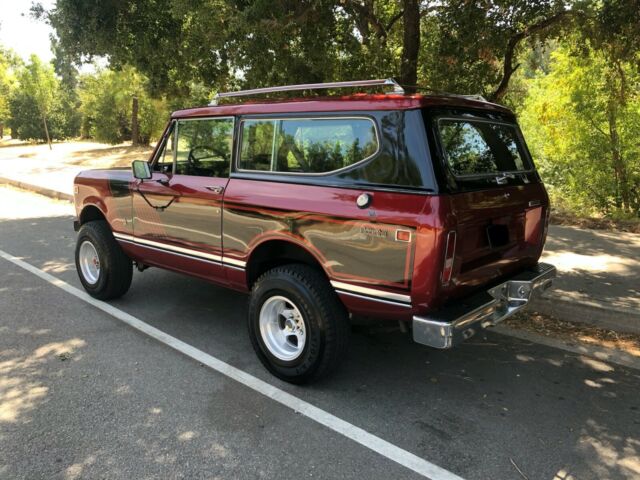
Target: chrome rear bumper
(457, 322)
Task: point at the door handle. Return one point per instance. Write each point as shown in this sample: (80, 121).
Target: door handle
(215, 189)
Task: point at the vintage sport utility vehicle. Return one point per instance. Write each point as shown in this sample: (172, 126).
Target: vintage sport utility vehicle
(421, 209)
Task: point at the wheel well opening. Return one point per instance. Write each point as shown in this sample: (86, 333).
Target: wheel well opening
(89, 214)
(275, 253)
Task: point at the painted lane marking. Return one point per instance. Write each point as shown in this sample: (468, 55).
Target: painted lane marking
(332, 422)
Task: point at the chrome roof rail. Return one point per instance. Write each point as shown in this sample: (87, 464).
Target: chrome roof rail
(385, 82)
(472, 97)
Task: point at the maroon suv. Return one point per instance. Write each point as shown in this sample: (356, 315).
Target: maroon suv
(420, 209)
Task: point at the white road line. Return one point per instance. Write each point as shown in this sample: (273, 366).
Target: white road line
(357, 434)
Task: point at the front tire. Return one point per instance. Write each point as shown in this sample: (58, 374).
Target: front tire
(104, 270)
(298, 327)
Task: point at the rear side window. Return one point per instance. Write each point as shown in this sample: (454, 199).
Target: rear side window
(481, 147)
(306, 145)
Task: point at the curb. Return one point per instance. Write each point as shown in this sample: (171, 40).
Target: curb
(598, 315)
(37, 189)
(604, 354)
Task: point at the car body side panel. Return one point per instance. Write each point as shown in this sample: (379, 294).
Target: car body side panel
(354, 246)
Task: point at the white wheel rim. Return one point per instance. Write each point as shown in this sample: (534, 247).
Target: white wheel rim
(89, 262)
(282, 328)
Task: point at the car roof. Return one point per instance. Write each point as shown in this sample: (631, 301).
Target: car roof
(358, 102)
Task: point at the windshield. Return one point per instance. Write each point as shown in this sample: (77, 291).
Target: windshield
(478, 147)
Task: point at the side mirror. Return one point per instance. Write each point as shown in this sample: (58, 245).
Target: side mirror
(141, 170)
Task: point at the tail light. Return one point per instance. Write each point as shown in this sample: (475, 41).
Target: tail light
(545, 226)
(449, 255)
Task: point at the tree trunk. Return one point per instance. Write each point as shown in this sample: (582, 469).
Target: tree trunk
(623, 190)
(46, 131)
(135, 129)
(1, 131)
(410, 44)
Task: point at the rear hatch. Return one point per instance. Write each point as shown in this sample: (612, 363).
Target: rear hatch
(498, 205)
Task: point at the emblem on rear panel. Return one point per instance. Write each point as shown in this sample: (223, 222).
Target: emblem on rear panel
(373, 231)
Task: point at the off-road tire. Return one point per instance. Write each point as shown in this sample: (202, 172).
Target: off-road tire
(116, 269)
(326, 322)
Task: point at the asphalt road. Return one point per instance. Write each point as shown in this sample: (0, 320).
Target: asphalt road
(83, 395)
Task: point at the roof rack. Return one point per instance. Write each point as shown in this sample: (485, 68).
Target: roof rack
(385, 82)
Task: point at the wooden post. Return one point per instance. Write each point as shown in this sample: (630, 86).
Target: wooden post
(135, 129)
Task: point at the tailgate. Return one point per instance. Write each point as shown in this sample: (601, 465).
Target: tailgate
(499, 231)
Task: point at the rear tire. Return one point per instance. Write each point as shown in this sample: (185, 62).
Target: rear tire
(298, 327)
(104, 270)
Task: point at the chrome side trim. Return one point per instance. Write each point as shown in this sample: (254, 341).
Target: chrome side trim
(234, 261)
(372, 292)
(185, 252)
(379, 300)
(465, 317)
(123, 236)
(173, 248)
(190, 257)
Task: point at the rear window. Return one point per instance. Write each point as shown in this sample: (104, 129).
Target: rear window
(476, 147)
(306, 145)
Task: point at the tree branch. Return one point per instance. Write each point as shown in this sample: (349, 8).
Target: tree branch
(365, 11)
(393, 20)
(508, 67)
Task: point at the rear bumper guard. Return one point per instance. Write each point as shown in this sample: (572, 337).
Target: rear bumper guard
(453, 324)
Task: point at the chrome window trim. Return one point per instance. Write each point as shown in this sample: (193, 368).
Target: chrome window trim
(163, 140)
(320, 117)
(513, 125)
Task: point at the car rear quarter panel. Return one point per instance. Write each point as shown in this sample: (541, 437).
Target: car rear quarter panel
(353, 245)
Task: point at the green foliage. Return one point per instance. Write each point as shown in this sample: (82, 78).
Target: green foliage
(33, 100)
(38, 95)
(8, 65)
(582, 123)
(106, 106)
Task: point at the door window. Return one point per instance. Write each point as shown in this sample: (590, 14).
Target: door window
(203, 147)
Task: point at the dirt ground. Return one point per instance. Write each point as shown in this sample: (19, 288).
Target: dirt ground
(575, 332)
(565, 218)
(75, 153)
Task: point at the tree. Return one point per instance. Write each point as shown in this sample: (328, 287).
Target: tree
(8, 64)
(106, 106)
(450, 44)
(582, 121)
(37, 94)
